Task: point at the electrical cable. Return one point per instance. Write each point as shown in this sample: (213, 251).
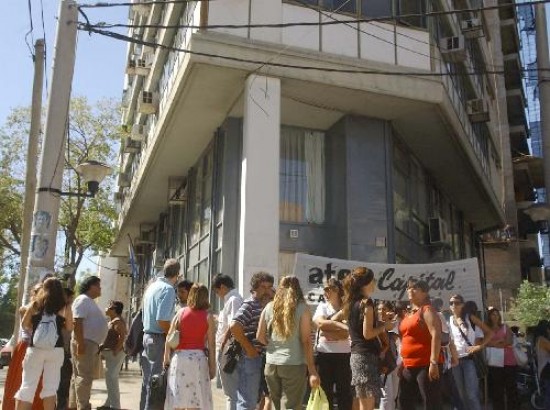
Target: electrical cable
(45, 45)
(30, 32)
(139, 3)
(125, 38)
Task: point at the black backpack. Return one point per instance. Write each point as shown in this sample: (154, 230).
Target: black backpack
(134, 342)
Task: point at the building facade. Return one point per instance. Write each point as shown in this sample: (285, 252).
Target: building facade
(377, 131)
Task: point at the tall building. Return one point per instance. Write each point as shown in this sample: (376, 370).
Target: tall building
(380, 140)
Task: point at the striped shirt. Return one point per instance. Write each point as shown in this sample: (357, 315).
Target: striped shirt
(248, 317)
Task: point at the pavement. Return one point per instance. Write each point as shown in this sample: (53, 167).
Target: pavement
(130, 389)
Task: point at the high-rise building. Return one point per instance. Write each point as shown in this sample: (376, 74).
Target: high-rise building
(369, 130)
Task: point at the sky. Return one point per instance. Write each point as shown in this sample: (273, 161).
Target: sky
(99, 69)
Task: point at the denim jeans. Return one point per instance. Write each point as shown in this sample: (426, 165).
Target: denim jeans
(467, 384)
(113, 363)
(249, 371)
(151, 363)
(229, 383)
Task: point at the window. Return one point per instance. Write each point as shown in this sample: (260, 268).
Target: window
(302, 176)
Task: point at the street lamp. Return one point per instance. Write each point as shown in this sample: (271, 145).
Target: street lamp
(92, 172)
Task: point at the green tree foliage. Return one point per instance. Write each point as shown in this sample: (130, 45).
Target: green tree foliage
(532, 303)
(87, 224)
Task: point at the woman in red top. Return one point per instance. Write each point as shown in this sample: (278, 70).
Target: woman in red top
(420, 333)
(192, 366)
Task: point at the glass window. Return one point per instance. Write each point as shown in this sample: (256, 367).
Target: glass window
(302, 176)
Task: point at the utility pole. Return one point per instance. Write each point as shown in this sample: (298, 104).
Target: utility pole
(543, 65)
(52, 160)
(30, 178)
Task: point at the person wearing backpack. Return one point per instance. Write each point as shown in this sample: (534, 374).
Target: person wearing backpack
(45, 318)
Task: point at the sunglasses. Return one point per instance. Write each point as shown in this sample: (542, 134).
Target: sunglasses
(455, 303)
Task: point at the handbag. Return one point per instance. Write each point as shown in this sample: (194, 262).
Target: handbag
(158, 389)
(479, 360)
(173, 337)
(317, 400)
(494, 356)
(519, 353)
(232, 355)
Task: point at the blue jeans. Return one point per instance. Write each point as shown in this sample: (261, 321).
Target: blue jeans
(249, 372)
(229, 383)
(151, 363)
(467, 384)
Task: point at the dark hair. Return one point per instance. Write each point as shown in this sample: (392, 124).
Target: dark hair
(51, 298)
(541, 329)
(198, 298)
(258, 278)
(334, 283)
(171, 268)
(68, 292)
(437, 303)
(221, 279)
(87, 283)
(359, 277)
(469, 309)
(117, 306)
(386, 304)
(184, 283)
(418, 284)
(489, 313)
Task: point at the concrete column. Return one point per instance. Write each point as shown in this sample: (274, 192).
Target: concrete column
(259, 218)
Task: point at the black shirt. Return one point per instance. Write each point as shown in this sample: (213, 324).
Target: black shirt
(358, 342)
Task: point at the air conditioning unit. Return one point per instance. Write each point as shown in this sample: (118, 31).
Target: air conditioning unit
(452, 49)
(438, 231)
(472, 28)
(131, 146)
(146, 234)
(124, 180)
(478, 110)
(138, 132)
(141, 66)
(148, 102)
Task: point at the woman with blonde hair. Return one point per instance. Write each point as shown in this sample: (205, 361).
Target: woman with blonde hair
(192, 366)
(358, 311)
(285, 328)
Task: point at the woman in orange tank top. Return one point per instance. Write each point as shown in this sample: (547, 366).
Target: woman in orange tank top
(420, 333)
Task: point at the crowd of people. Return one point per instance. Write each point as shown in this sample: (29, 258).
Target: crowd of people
(269, 348)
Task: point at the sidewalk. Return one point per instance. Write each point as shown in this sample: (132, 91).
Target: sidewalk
(130, 390)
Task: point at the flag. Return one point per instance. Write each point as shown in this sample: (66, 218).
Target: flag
(133, 263)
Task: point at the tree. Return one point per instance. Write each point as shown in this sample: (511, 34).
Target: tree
(87, 223)
(532, 303)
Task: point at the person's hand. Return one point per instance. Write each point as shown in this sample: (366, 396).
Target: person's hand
(80, 349)
(474, 349)
(212, 372)
(454, 361)
(389, 325)
(433, 373)
(314, 381)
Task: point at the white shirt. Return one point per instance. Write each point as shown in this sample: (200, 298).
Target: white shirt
(460, 344)
(232, 301)
(324, 310)
(94, 321)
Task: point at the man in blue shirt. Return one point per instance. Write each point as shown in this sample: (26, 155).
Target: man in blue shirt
(158, 309)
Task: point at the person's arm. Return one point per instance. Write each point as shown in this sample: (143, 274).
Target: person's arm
(30, 311)
(305, 339)
(544, 343)
(211, 339)
(369, 330)
(487, 335)
(237, 330)
(67, 313)
(454, 354)
(167, 349)
(165, 312)
(261, 333)
(433, 323)
(78, 332)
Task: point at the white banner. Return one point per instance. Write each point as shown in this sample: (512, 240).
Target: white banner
(444, 279)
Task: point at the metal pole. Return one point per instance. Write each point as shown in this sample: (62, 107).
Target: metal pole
(543, 66)
(52, 160)
(30, 178)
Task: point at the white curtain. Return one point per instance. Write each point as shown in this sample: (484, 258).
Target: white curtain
(315, 175)
(302, 181)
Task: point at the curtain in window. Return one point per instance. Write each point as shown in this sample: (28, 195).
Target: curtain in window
(315, 176)
(302, 179)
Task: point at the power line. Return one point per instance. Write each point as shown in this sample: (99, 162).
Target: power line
(140, 3)
(45, 44)
(125, 38)
(30, 32)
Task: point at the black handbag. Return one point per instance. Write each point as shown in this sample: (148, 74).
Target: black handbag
(478, 358)
(158, 389)
(232, 355)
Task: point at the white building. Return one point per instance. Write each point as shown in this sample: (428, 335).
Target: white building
(393, 146)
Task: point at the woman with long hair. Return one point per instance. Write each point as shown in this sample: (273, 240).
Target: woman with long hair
(542, 349)
(333, 348)
(358, 310)
(192, 366)
(470, 335)
(422, 360)
(44, 362)
(502, 377)
(285, 328)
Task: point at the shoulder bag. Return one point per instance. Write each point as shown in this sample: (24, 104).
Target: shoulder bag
(479, 360)
(173, 338)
